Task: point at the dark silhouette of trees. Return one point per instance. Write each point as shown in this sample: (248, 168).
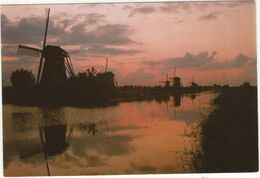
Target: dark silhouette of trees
(23, 89)
(22, 79)
(246, 84)
(90, 86)
(228, 138)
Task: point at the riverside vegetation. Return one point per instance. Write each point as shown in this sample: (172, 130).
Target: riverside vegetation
(228, 137)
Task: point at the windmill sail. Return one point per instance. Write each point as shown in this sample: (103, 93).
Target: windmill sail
(28, 51)
(43, 45)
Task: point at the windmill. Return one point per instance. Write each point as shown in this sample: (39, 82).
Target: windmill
(55, 63)
(107, 79)
(176, 81)
(167, 82)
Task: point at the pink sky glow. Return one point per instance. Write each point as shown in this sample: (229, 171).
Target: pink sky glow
(213, 42)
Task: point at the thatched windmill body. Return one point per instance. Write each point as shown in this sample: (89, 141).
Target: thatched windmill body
(108, 83)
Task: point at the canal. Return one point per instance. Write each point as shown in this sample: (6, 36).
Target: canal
(136, 137)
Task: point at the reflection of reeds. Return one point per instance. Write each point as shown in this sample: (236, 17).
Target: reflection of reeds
(191, 133)
(228, 138)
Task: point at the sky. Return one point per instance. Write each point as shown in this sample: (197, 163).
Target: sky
(211, 42)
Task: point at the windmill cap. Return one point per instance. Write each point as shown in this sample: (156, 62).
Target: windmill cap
(56, 51)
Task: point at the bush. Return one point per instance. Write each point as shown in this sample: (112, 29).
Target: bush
(22, 79)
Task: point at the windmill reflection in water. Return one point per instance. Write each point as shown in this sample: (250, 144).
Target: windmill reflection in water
(175, 98)
(54, 140)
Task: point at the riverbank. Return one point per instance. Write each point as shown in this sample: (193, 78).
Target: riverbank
(86, 98)
(229, 136)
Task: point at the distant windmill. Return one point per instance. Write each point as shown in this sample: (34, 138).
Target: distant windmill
(166, 82)
(55, 63)
(176, 81)
(107, 79)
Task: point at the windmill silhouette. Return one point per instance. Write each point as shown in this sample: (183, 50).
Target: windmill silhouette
(166, 82)
(55, 63)
(176, 81)
(107, 80)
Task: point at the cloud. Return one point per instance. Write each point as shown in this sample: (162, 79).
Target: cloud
(188, 7)
(101, 50)
(109, 34)
(94, 18)
(202, 61)
(187, 61)
(139, 77)
(127, 7)
(201, 5)
(90, 32)
(88, 19)
(142, 10)
(240, 60)
(31, 30)
(176, 7)
(233, 4)
(210, 16)
(26, 30)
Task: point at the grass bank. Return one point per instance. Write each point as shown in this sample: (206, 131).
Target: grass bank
(229, 135)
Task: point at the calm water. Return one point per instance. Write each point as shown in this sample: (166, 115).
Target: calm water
(131, 137)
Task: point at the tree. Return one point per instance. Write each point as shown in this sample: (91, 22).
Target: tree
(22, 79)
(246, 84)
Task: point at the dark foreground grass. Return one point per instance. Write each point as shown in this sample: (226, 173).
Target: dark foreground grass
(229, 136)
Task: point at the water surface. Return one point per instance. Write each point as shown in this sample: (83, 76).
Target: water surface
(131, 137)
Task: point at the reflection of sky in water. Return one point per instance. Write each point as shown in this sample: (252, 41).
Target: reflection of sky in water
(132, 137)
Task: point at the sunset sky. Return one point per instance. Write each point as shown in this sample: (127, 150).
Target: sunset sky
(213, 42)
